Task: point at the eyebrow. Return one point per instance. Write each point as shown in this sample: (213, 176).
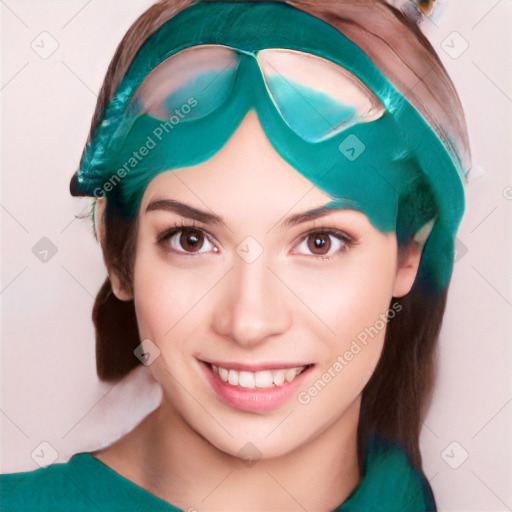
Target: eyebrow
(300, 218)
(185, 210)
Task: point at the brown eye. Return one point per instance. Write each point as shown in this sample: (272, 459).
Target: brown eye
(187, 240)
(319, 243)
(324, 244)
(191, 240)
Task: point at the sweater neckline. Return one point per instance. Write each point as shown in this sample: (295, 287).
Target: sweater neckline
(389, 481)
(94, 464)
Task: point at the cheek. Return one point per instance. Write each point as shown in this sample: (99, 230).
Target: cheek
(352, 294)
(169, 299)
(353, 303)
(151, 297)
(167, 304)
(356, 313)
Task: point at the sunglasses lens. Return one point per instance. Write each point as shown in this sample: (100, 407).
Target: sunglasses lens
(316, 97)
(203, 73)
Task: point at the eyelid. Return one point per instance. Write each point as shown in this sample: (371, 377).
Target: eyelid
(324, 226)
(176, 226)
(181, 225)
(347, 240)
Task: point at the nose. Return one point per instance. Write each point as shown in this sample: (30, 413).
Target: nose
(252, 304)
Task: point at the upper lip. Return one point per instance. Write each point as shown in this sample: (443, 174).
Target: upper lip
(254, 367)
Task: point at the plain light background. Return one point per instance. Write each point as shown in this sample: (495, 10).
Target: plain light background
(50, 391)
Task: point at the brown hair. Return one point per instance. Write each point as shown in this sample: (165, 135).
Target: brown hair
(396, 397)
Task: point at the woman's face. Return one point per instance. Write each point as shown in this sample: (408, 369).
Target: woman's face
(235, 280)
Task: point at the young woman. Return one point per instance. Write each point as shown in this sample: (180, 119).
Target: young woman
(277, 189)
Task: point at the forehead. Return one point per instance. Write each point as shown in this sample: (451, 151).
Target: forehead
(249, 185)
(246, 187)
(246, 171)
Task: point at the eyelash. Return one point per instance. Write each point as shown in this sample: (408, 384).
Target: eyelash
(346, 240)
(181, 226)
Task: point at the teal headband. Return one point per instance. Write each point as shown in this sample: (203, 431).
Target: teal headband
(375, 167)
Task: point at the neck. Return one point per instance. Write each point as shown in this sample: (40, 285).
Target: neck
(166, 457)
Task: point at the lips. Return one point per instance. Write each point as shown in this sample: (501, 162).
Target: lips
(261, 387)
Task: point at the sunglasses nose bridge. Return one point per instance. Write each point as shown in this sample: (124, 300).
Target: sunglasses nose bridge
(252, 77)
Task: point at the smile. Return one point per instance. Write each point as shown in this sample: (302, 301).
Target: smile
(265, 388)
(261, 379)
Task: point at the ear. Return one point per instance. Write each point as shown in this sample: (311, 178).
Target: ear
(409, 261)
(99, 228)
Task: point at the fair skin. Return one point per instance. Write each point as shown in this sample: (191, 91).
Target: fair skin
(299, 304)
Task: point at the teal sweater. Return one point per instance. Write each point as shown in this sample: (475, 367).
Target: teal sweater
(389, 484)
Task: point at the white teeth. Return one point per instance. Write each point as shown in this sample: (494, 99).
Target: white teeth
(233, 377)
(261, 379)
(223, 373)
(290, 374)
(247, 380)
(278, 377)
(264, 379)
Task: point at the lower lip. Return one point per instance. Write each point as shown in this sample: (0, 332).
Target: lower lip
(256, 399)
